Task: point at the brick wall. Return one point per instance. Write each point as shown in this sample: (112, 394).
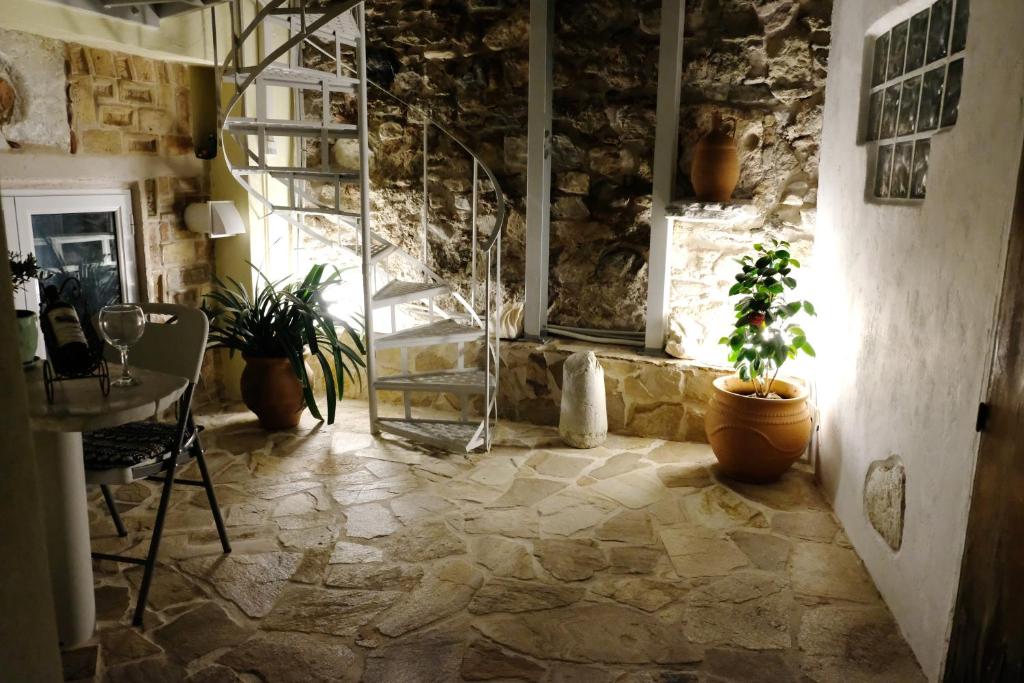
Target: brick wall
(179, 264)
(127, 104)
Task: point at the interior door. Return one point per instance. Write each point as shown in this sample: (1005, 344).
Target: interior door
(84, 243)
(987, 638)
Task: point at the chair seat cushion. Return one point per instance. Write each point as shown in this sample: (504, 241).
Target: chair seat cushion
(127, 445)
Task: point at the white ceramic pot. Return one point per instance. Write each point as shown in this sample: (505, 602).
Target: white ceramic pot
(28, 334)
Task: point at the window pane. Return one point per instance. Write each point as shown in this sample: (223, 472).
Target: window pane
(881, 52)
(897, 50)
(917, 40)
(890, 110)
(963, 13)
(931, 99)
(874, 115)
(908, 105)
(882, 171)
(80, 246)
(951, 98)
(900, 187)
(938, 34)
(919, 177)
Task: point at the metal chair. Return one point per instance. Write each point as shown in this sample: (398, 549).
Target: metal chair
(174, 342)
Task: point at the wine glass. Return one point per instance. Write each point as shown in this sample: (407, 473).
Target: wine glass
(121, 326)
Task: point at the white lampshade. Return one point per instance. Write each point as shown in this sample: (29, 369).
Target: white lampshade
(217, 219)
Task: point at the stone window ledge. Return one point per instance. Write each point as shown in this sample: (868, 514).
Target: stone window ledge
(611, 352)
(728, 213)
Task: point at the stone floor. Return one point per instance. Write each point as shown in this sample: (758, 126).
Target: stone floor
(363, 559)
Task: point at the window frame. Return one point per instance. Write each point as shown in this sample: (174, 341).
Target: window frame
(18, 207)
(874, 140)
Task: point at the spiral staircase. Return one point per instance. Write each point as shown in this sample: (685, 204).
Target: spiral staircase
(434, 311)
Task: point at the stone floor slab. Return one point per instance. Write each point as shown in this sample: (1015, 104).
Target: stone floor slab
(365, 558)
(608, 634)
(292, 658)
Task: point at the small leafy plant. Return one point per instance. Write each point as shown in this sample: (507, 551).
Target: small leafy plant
(765, 336)
(288, 321)
(23, 269)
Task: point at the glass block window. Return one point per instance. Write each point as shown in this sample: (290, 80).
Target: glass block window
(916, 73)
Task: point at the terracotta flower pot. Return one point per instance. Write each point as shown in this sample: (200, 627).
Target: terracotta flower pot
(272, 391)
(757, 439)
(716, 164)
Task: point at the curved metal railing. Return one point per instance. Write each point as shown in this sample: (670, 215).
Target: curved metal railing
(316, 25)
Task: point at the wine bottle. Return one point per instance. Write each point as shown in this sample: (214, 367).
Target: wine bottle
(66, 347)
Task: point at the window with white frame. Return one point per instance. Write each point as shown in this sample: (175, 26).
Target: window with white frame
(916, 73)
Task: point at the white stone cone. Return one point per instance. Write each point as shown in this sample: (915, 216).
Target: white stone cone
(584, 418)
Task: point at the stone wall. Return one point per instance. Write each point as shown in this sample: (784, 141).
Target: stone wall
(33, 109)
(179, 264)
(466, 64)
(706, 240)
(653, 397)
(604, 92)
(759, 63)
(61, 98)
(127, 104)
(762, 66)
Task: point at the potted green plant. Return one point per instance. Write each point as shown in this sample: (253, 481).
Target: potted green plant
(758, 424)
(24, 269)
(275, 330)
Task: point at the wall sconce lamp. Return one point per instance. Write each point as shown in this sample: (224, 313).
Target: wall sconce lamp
(217, 219)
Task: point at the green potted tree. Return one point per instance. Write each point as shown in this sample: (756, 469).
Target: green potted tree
(275, 330)
(758, 424)
(24, 269)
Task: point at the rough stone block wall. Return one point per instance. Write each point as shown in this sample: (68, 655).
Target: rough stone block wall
(759, 63)
(653, 397)
(762, 65)
(127, 104)
(33, 110)
(466, 63)
(605, 85)
(179, 264)
(704, 268)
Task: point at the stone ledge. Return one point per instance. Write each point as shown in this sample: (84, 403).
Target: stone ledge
(612, 352)
(657, 397)
(729, 213)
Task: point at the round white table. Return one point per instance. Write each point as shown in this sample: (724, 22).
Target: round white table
(79, 406)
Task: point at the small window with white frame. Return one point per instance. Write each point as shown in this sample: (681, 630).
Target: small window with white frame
(916, 74)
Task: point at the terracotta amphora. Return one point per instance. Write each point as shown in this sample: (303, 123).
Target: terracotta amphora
(716, 163)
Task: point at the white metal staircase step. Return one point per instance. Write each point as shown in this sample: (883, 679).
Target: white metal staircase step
(283, 173)
(378, 251)
(400, 292)
(467, 381)
(440, 332)
(344, 25)
(447, 434)
(285, 127)
(317, 211)
(299, 77)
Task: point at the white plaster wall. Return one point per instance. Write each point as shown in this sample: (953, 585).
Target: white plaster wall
(906, 297)
(185, 37)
